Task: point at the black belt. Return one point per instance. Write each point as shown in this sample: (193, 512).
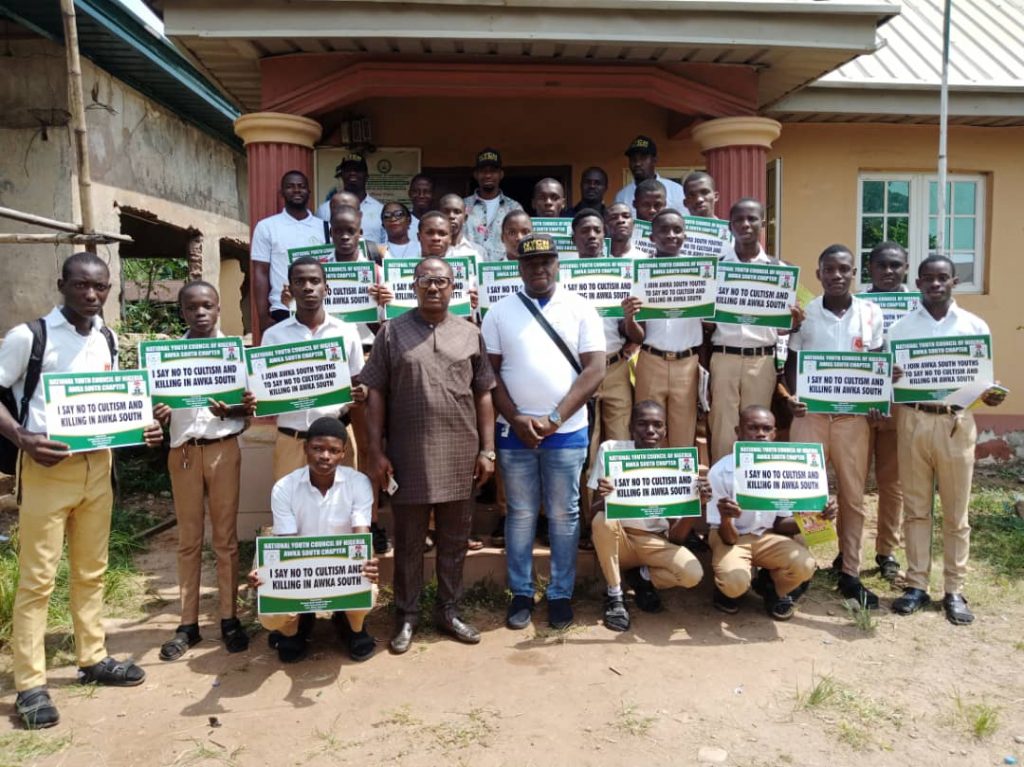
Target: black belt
(744, 351)
(200, 441)
(924, 407)
(669, 355)
(295, 433)
(611, 359)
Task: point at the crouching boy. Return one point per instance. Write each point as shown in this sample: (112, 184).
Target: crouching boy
(322, 498)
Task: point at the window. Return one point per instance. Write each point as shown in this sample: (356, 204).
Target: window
(904, 207)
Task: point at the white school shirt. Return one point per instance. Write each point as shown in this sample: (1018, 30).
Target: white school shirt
(292, 331)
(721, 477)
(673, 195)
(466, 249)
(370, 207)
(658, 525)
(273, 237)
(920, 324)
(745, 336)
(535, 373)
(858, 330)
(66, 351)
(200, 423)
(300, 509)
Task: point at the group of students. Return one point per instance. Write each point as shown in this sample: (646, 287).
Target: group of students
(643, 375)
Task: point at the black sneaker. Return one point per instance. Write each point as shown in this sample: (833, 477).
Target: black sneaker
(781, 609)
(888, 566)
(763, 585)
(724, 604)
(616, 616)
(560, 613)
(520, 612)
(381, 544)
(646, 596)
(361, 646)
(851, 588)
(36, 709)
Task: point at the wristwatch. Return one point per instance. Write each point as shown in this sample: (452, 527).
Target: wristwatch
(555, 418)
(490, 455)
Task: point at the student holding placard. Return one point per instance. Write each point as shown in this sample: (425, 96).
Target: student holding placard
(204, 464)
(743, 539)
(838, 321)
(936, 445)
(455, 209)
(620, 224)
(308, 284)
(62, 492)
(646, 552)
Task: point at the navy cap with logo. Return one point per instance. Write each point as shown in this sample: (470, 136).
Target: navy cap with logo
(642, 145)
(536, 245)
(488, 156)
(353, 158)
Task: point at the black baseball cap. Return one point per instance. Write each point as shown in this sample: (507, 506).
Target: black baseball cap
(488, 156)
(536, 245)
(643, 145)
(350, 159)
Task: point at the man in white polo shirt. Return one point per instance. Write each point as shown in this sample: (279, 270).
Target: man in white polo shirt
(838, 321)
(273, 237)
(308, 285)
(643, 159)
(936, 446)
(544, 379)
(353, 173)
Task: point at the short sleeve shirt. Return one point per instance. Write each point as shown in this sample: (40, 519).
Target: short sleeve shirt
(658, 525)
(744, 336)
(859, 329)
(673, 195)
(920, 324)
(200, 423)
(274, 236)
(720, 477)
(300, 509)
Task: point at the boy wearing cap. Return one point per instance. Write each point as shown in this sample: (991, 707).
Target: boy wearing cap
(487, 207)
(321, 498)
(353, 173)
(643, 159)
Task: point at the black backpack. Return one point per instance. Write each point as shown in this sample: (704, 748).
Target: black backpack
(19, 410)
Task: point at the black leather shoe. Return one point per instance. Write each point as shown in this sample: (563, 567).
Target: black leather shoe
(851, 588)
(888, 566)
(520, 612)
(957, 611)
(911, 601)
(402, 639)
(456, 628)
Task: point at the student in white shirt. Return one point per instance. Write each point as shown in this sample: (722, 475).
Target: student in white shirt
(643, 159)
(421, 200)
(308, 285)
(273, 237)
(204, 464)
(742, 539)
(700, 195)
(619, 224)
(936, 446)
(321, 498)
(838, 321)
(455, 209)
(648, 553)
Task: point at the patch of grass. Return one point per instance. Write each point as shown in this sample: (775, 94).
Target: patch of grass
(330, 742)
(17, 748)
(997, 533)
(854, 718)
(486, 595)
(981, 719)
(399, 717)
(631, 721)
(1019, 646)
(860, 616)
(142, 470)
(466, 730)
(209, 751)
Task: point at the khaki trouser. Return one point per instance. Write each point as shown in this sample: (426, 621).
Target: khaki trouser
(845, 439)
(930, 453)
(211, 470)
(736, 382)
(288, 624)
(290, 453)
(789, 562)
(623, 548)
(75, 497)
(615, 400)
(673, 385)
(887, 476)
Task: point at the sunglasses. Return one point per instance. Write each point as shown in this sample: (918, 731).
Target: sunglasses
(395, 215)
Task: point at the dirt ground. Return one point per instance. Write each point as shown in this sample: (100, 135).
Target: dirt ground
(687, 686)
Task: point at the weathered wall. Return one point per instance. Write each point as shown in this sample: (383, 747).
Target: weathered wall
(142, 155)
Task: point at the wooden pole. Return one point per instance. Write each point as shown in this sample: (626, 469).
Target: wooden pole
(76, 102)
(50, 223)
(90, 241)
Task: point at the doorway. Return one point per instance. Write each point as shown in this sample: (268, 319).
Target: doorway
(518, 182)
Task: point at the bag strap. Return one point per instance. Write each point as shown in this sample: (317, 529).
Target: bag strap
(327, 233)
(111, 344)
(552, 333)
(35, 367)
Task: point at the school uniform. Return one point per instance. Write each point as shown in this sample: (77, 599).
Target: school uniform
(290, 446)
(205, 463)
(789, 562)
(936, 446)
(72, 496)
(844, 438)
(673, 194)
(742, 372)
(667, 372)
(370, 208)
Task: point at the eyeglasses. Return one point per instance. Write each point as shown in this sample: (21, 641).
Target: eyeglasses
(426, 280)
(394, 215)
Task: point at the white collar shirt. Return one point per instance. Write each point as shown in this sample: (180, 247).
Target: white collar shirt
(370, 207)
(299, 508)
(859, 329)
(274, 236)
(673, 194)
(200, 423)
(658, 525)
(920, 324)
(721, 477)
(745, 336)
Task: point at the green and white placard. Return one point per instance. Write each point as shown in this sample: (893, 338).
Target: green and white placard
(603, 282)
(348, 283)
(642, 238)
(934, 368)
(324, 253)
(90, 411)
(756, 294)
(706, 237)
(780, 476)
(844, 382)
(893, 305)
(567, 248)
(675, 287)
(561, 227)
(299, 376)
(189, 372)
(652, 483)
(322, 573)
(399, 277)
(497, 280)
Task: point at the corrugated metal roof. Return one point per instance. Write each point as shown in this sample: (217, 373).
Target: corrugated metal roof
(986, 48)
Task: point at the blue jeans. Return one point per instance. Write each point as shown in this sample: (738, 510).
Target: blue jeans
(527, 474)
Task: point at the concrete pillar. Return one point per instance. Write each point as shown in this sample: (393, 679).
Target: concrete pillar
(275, 144)
(736, 149)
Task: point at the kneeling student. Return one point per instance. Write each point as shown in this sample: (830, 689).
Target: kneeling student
(322, 498)
(741, 539)
(647, 549)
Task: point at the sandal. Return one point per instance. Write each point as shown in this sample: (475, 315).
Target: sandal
(36, 709)
(234, 636)
(112, 673)
(184, 637)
